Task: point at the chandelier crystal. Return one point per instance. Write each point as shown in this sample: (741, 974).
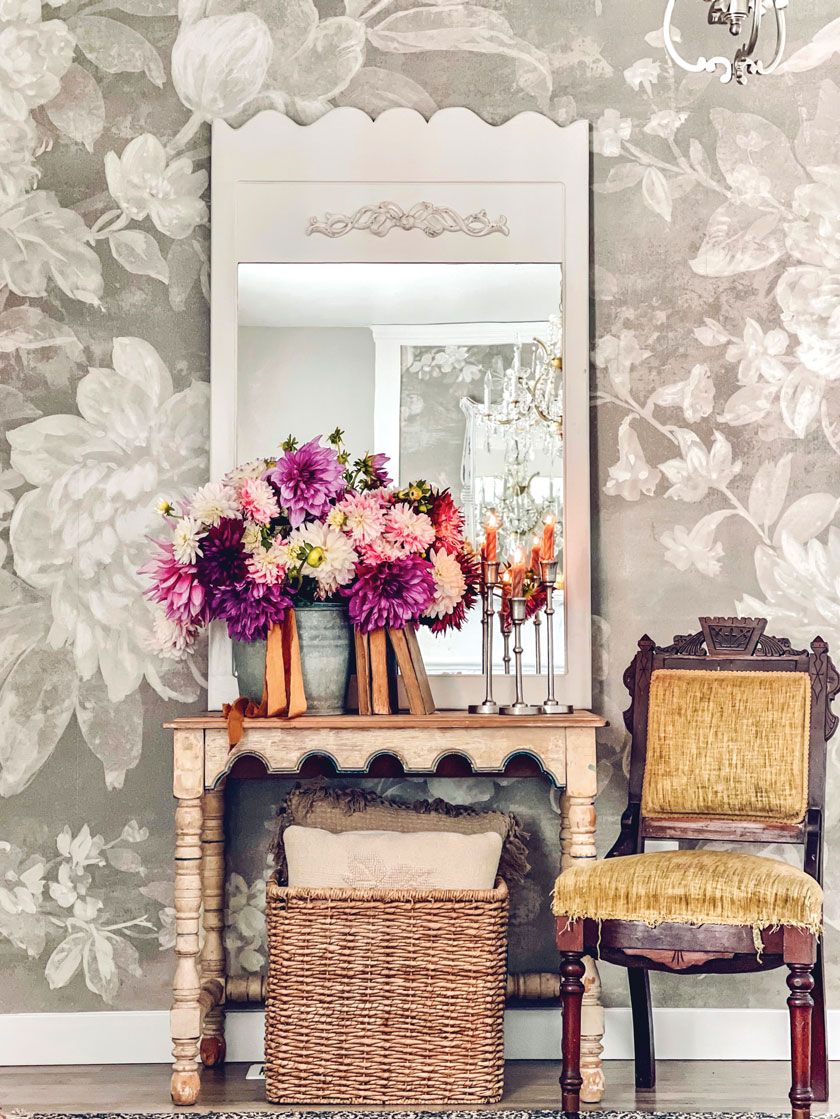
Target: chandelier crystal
(743, 19)
(521, 427)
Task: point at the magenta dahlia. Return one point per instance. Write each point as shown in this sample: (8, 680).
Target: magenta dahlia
(393, 593)
(251, 609)
(175, 586)
(308, 481)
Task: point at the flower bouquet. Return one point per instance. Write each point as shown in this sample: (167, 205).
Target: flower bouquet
(310, 528)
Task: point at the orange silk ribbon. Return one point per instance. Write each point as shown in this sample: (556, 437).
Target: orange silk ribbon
(283, 693)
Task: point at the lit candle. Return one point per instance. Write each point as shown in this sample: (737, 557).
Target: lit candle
(535, 556)
(505, 590)
(548, 537)
(517, 571)
(490, 530)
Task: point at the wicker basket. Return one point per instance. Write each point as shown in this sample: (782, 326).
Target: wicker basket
(385, 996)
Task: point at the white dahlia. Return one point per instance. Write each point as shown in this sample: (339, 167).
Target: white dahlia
(449, 584)
(186, 539)
(331, 561)
(251, 537)
(173, 638)
(267, 565)
(214, 501)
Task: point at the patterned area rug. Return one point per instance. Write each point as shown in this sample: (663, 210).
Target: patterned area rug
(530, 1113)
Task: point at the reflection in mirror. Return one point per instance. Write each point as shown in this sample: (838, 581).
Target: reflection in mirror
(453, 370)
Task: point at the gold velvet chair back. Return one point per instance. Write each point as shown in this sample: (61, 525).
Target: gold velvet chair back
(729, 730)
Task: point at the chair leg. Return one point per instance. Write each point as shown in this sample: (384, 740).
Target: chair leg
(819, 1048)
(571, 993)
(800, 983)
(643, 1044)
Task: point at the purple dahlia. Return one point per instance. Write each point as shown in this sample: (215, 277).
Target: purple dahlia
(251, 609)
(221, 566)
(375, 471)
(308, 481)
(392, 593)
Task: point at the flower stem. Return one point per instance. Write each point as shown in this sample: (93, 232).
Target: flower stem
(185, 135)
(743, 512)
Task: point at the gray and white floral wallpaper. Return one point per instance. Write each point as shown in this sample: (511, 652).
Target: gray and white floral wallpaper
(716, 399)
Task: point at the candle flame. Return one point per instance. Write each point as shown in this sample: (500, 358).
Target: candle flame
(491, 520)
(537, 541)
(505, 576)
(549, 519)
(518, 555)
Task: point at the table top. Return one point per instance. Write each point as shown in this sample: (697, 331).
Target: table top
(441, 720)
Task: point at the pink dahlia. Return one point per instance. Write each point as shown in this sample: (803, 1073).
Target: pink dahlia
(308, 481)
(379, 550)
(448, 521)
(364, 518)
(394, 593)
(258, 501)
(413, 530)
(175, 585)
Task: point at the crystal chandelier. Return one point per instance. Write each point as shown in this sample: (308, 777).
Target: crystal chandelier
(741, 18)
(523, 425)
(531, 397)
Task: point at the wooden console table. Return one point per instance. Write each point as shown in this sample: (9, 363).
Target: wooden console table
(449, 743)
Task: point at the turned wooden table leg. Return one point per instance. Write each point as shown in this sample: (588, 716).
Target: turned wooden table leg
(577, 838)
(185, 1016)
(213, 953)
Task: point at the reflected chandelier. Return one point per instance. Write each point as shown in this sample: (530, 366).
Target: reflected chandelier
(741, 17)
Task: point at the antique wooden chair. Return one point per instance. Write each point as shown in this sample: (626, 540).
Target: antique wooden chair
(729, 729)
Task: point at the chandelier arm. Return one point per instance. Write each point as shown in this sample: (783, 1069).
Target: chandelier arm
(781, 41)
(756, 28)
(707, 65)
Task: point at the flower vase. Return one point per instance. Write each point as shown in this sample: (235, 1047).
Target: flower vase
(326, 655)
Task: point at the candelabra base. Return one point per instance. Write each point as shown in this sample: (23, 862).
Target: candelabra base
(486, 708)
(519, 709)
(552, 707)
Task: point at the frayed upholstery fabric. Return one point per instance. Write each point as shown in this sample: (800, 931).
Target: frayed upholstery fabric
(728, 744)
(691, 887)
(340, 810)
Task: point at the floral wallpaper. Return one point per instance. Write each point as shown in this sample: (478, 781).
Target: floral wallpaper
(715, 391)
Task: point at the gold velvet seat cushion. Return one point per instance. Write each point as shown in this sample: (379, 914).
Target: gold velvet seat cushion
(691, 887)
(728, 744)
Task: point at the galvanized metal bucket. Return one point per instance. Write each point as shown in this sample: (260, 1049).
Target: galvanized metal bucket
(326, 654)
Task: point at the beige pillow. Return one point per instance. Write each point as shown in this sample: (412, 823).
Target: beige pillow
(386, 860)
(345, 810)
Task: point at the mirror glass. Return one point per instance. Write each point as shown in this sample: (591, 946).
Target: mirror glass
(453, 370)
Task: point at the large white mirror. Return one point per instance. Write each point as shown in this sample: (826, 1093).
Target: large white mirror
(431, 364)
(362, 286)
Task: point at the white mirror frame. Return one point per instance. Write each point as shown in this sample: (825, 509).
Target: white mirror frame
(513, 193)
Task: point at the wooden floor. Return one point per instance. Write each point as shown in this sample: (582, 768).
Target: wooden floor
(683, 1086)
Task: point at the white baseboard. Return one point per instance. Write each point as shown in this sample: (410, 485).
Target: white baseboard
(142, 1036)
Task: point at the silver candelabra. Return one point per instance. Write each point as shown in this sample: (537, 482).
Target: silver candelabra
(518, 608)
(548, 577)
(490, 574)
